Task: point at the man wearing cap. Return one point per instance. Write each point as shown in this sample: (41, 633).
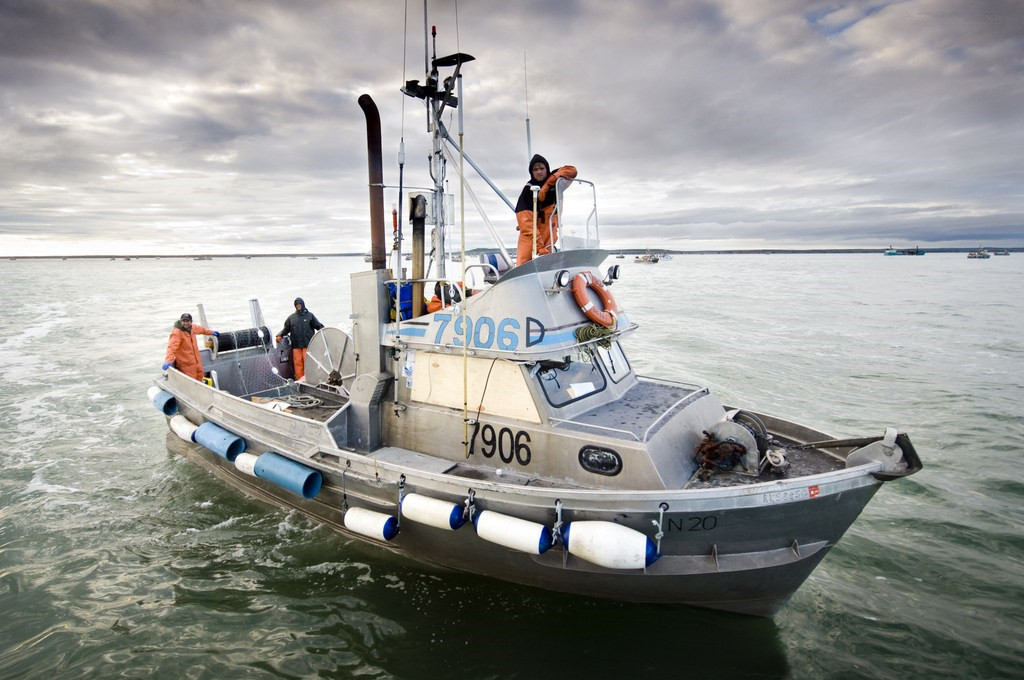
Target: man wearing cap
(300, 327)
(183, 349)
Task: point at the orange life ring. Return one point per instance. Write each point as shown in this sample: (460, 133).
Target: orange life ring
(605, 315)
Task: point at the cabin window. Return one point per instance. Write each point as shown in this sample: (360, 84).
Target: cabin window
(614, 360)
(564, 382)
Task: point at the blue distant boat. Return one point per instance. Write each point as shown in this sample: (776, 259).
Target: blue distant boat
(904, 251)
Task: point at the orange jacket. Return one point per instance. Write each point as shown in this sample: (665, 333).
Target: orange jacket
(436, 304)
(547, 220)
(183, 350)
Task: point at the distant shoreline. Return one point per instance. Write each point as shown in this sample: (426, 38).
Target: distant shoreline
(628, 252)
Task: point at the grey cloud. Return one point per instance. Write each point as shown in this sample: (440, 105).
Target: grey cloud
(793, 120)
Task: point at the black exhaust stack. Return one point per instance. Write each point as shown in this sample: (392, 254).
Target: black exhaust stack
(376, 167)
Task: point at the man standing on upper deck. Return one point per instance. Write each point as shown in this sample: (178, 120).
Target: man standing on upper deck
(547, 219)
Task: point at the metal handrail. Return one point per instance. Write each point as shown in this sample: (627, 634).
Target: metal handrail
(689, 397)
(560, 186)
(593, 426)
(519, 354)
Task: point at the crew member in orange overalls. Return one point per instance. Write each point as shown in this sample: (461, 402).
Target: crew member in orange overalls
(547, 220)
(444, 295)
(183, 348)
(300, 327)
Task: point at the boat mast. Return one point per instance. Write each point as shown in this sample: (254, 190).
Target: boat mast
(437, 165)
(437, 96)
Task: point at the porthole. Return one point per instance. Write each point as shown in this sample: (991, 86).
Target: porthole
(600, 461)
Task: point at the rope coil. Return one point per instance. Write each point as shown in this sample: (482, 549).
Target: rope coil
(301, 401)
(594, 332)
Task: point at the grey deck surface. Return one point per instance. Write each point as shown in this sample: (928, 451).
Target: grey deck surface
(630, 416)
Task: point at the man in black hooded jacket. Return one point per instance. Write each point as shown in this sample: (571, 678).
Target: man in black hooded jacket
(300, 327)
(543, 177)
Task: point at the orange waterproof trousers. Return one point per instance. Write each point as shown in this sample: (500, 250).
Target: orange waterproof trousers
(299, 362)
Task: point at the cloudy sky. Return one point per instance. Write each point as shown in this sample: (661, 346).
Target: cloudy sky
(218, 126)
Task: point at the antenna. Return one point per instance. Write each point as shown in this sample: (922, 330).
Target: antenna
(526, 87)
(426, 41)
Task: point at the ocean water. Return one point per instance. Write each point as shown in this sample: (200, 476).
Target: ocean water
(120, 559)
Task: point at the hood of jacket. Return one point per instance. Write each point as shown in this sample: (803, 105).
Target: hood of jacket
(537, 158)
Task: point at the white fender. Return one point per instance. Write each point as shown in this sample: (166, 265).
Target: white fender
(609, 545)
(183, 427)
(512, 532)
(431, 511)
(371, 524)
(246, 462)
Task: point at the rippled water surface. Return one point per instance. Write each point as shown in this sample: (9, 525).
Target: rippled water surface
(120, 559)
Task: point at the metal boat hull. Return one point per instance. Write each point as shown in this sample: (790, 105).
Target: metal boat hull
(745, 549)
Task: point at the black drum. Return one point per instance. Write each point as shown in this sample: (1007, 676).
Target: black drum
(248, 337)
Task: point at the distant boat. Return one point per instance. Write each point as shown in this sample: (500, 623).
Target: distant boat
(620, 256)
(312, 258)
(368, 257)
(904, 251)
(1000, 251)
(647, 258)
(979, 254)
(665, 257)
(203, 257)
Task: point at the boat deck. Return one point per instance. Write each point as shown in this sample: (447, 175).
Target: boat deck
(304, 401)
(637, 414)
(802, 463)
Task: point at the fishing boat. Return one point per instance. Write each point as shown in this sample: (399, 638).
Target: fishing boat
(916, 250)
(647, 258)
(979, 254)
(1001, 252)
(508, 435)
